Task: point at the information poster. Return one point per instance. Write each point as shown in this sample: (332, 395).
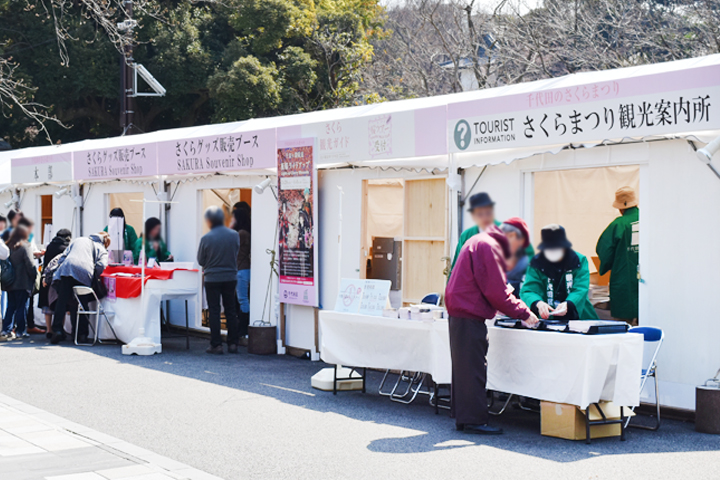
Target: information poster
(297, 194)
(366, 297)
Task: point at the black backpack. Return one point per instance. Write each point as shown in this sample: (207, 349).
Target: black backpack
(7, 274)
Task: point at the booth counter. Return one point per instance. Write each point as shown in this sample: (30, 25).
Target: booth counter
(558, 367)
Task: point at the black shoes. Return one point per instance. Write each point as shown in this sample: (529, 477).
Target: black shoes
(215, 350)
(479, 429)
(232, 349)
(56, 337)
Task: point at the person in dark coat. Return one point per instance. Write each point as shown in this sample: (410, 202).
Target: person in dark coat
(241, 224)
(81, 263)
(21, 258)
(477, 290)
(217, 255)
(56, 247)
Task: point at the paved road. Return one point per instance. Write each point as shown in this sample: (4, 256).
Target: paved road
(37, 445)
(257, 417)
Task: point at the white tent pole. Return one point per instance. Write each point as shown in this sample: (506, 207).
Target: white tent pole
(340, 219)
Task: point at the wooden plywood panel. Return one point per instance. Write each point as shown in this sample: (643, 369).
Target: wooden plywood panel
(425, 208)
(423, 265)
(581, 201)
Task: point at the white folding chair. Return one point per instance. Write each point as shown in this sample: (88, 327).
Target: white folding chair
(653, 338)
(82, 291)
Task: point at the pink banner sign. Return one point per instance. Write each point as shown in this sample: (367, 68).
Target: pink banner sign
(116, 162)
(658, 104)
(217, 154)
(297, 194)
(56, 167)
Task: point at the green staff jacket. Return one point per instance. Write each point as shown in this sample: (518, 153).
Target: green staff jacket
(566, 281)
(129, 237)
(618, 249)
(471, 232)
(161, 255)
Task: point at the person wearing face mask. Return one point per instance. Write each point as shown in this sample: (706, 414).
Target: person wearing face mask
(558, 279)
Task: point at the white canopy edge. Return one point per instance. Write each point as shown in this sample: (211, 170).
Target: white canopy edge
(509, 155)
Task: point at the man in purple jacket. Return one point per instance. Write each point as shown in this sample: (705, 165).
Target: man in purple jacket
(477, 291)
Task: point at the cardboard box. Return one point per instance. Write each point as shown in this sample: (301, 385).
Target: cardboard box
(568, 421)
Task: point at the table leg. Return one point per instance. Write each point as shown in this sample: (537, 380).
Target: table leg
(587, 425)
(187, 327)
(622, 425)
(335, 380)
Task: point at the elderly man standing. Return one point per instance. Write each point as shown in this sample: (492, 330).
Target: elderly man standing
(618, 250)
(217, 255)
(477, 291)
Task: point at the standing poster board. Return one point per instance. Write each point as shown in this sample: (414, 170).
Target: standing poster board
(297, 212)
(366, 297)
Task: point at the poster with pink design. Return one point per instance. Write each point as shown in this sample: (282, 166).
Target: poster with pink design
(297, 231)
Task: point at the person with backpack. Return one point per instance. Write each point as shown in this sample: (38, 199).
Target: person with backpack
(56, 247)
(82, 263)
(23, 264)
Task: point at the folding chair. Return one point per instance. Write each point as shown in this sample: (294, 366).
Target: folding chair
(413, 380)
(82, 291)
(432, 299)
(653, 338)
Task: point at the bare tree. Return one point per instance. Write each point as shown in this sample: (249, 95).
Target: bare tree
(437, 45)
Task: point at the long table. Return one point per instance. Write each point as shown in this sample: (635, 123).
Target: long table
(126, 311)
(557, 367)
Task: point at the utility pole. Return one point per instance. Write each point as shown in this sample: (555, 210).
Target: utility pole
(127, 86)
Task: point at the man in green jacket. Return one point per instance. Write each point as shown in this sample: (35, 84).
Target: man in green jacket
(558, 279)
(482, 209)
(618, 249)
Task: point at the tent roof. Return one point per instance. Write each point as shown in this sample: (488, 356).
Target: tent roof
(466, 159)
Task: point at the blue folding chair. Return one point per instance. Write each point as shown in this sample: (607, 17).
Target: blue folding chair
(432, 299)
(653, 337)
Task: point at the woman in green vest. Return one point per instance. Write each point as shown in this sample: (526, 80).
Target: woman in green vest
(129, 235)
(558, 280)
(155, 247)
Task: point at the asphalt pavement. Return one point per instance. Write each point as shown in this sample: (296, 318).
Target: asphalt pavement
(245, 416)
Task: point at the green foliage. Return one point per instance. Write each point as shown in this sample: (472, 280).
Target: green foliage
(248, 89)
(223, 61)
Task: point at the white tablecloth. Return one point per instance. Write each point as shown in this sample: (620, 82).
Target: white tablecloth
(557, 367)
(128, 317)
(386, 343)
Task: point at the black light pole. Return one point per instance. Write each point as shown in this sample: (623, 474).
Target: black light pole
(127, 103)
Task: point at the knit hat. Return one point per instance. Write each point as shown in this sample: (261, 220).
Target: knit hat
(625, 198)
(520, 224)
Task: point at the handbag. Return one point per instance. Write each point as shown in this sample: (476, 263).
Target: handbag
(99, 287)
(7, 274)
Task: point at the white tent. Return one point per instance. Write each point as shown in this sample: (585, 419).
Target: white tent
(506, 141)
